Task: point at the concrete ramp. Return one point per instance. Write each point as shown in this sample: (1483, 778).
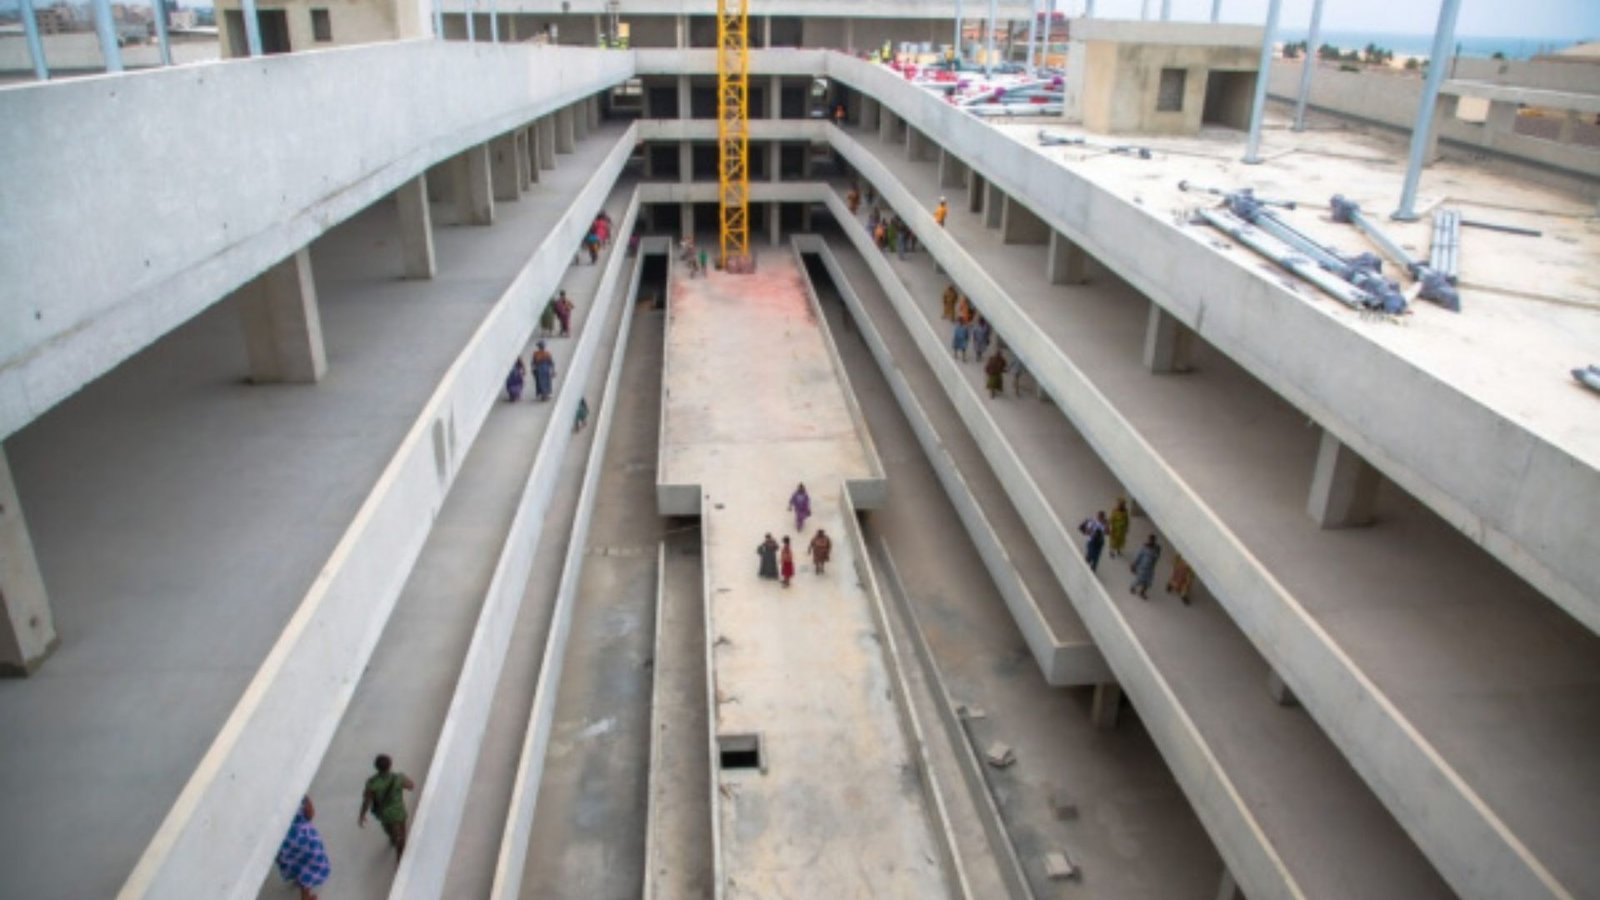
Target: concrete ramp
(815, 790)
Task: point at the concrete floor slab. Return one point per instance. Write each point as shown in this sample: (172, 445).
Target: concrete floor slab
(754, 406)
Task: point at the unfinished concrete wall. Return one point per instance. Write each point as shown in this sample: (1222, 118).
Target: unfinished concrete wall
(1137, 84)
(99, 265)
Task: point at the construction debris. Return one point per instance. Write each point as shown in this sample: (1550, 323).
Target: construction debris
(1059, 866)
(1048, 139)
(1445, 254)
(1588, 377)
(1000, 755)
(1435, 286)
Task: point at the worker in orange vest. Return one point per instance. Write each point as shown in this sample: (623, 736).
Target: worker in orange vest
(941, 211)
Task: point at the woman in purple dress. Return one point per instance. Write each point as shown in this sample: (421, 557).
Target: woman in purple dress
(544, 372)
(800, 502)
(516, 380)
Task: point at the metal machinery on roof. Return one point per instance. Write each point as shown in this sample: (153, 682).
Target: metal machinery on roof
(733, 131)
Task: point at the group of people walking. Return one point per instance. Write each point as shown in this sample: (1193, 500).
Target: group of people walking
(972, 329)
(543, 366)
(1102, 530)
(598, 238)
(303, 856)
(777, 560)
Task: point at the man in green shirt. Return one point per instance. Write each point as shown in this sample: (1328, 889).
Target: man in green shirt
(385, 798)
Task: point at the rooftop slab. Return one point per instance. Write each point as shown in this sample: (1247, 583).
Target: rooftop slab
(754, 405)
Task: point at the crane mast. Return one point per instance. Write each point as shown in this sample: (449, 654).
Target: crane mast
(733, 132)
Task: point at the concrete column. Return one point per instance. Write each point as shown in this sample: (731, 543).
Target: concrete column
(1344, 487)
(775, 97)
(1018, 224)
(1107, 701)
(994, 206)
(775, 160)
(282, 328)
(685, 162)
(1228, 889)
(888, 125)
(805, 219)
(416, 228)
(1502, 116)
(975, 191)
(1445, 108)
(766, 31)
(916, 144)
(474, 193)
(1569, 125)
(774, 220)
(519, 150)
(1167, 343)
(871, 113)
(687, 218)
(850, 35)
(952, 171)
(684, 96)
(27, 631)
(1279, 691)
(682, 27)
(503, 170)
(594, 112)
(580, 119)
(546, 130)
(566, 130)
(1068, 263)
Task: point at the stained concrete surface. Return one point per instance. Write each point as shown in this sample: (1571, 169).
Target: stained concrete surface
(180, 515)
(1503, 684)
(753, 406)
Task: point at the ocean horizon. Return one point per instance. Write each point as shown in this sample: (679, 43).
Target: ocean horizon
(1422, 44)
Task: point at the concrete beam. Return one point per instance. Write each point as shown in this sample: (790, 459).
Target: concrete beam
(566, 130)
(1344, 487)
(282, 328)
(994, 205)
(474, 191)
(504, 173)
(27, 632)
(1068, 263)
(1168, 343)
(1018, 224)
(952, 171)
(416, 228)
(1105, 706)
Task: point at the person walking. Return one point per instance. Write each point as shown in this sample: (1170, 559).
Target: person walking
(582, 417)
(981, 333)
(800, 503)
(768, 551)
(941, 212)
(786, 562)
(958, 340)
(821, 550)
(302, 857)
(852, 200)
(385, 798)
(1095, 530)
(995, 374)
(547, 319)
(1182, 578)
(516, 380)
(544, 372)
(1144, 567)
(1118, 532)
(705, 260)
(948, 312)
(964, 310)
(563, 310)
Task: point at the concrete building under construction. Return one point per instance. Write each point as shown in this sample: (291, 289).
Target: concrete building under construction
(267, 509)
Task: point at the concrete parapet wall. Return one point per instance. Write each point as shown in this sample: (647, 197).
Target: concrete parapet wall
(1248, 851)
(1064, 663)
(933, 803)
(1391, 99)
(827, 9)
(779, 61)
(513, 856)
(1472, 847)
(1521, 495)
(133, 202)
(221, 833)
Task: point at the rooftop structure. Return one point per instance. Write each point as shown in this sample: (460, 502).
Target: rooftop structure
(268, 509)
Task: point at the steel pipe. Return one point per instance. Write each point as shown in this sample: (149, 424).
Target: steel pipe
(1307, 67)
(1258, 107)
(1443, 36)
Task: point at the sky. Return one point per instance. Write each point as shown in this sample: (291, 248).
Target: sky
(1570, 19)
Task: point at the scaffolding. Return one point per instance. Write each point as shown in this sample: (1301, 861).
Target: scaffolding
(733, 131)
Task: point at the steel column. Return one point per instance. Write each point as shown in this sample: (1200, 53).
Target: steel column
(1443, 36)
(1308, 66)
(107, 29)
(1258, 108)
(30, 25)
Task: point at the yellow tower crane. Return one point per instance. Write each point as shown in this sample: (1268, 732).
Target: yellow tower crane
(733, 131)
